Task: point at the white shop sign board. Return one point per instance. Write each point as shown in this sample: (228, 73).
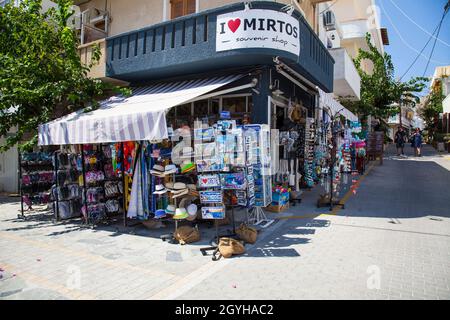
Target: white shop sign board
(258, 28)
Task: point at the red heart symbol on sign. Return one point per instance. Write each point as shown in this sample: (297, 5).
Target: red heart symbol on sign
(234, 24)
(205, 181)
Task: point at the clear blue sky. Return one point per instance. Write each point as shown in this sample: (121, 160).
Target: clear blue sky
(410, 37)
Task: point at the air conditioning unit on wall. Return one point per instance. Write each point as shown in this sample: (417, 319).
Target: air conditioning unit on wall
(329, 20)
(333, 39)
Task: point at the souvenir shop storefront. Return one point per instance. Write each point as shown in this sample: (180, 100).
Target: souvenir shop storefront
(246, 126)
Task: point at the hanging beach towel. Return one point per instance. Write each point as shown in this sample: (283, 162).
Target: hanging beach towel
(135, 207)
(144, 156)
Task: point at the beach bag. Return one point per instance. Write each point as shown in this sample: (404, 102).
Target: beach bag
(230, 246)
(187, 234)
(246, 233)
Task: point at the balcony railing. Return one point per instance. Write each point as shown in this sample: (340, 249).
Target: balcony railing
(187, 45)
(347, 82)
(85, 52)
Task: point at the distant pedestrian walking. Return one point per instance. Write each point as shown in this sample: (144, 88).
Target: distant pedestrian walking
(399, 140)
(416, 142)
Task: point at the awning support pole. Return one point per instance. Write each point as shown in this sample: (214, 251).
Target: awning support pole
(83, 170)
(20, 185)
(124, 192)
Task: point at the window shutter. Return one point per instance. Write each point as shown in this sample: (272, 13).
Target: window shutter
(176, 8)
(181, 8)
(190, 6)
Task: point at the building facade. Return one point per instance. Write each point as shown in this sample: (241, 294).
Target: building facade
(145, 41)
(343, 26)
(440, 82)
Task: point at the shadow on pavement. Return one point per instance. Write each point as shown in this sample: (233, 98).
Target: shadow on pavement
(287, 241)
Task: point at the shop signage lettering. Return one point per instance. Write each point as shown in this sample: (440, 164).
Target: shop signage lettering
(258, 28)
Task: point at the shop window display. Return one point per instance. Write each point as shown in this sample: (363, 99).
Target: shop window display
(234, 105)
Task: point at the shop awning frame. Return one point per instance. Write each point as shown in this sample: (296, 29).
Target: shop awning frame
(141, 116)
(326, 100)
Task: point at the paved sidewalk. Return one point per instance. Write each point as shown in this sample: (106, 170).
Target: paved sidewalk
(392, 241)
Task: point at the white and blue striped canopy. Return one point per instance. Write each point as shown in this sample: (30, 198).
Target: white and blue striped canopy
(140, 116)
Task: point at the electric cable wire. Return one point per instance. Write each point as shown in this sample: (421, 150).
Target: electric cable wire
(417, 25)
(435, 39)
(328, 8)
(403, 39)
(418, 55)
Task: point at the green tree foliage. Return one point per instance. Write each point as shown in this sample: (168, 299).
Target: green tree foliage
(379, 88)
(41, 74)
(430, 111)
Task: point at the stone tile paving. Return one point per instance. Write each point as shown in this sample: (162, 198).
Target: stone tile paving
(392, 241)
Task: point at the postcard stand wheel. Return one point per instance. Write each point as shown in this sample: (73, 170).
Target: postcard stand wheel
(231, 233)
(258, 218)
(170, 238)
(215, 245)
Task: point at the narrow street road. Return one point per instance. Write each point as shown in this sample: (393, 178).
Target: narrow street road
(392, 241)
(396, 227)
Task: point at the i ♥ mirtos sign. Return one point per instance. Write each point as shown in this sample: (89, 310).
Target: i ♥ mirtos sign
(258, 28)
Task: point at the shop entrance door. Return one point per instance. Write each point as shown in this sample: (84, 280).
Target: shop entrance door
(278, 112)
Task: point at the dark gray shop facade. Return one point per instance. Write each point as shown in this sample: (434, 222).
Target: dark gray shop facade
(185, 48)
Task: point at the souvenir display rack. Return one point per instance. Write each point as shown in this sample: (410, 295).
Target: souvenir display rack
(67, 193)
(112, 183)
(310, 129)
(261, 168)
(333, 169)
(36, 179)
(86, 185)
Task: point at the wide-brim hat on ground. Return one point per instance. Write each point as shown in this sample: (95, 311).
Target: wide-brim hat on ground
(170, 168)
(192, 212)
(187, 166)
(160, 189)
(170, 209)
(157, 170)
(180, 213)
(160, 213)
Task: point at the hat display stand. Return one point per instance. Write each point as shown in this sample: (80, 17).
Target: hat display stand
(170, 238)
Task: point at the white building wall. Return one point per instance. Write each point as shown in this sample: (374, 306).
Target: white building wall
(446, 104)
(9, 170)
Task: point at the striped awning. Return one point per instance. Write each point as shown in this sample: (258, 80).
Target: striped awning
(140, 116)
(327, 101)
